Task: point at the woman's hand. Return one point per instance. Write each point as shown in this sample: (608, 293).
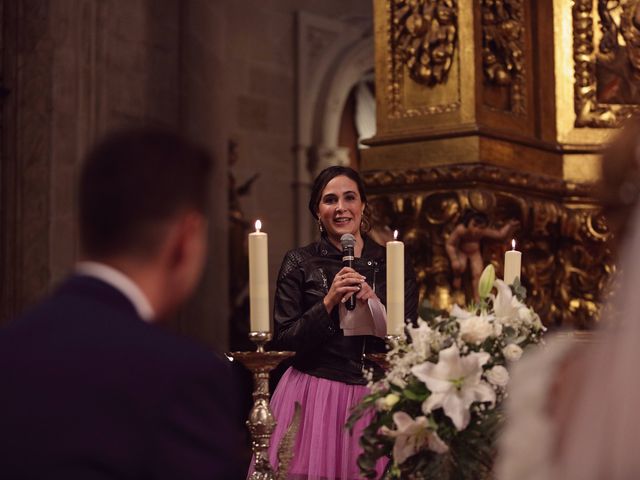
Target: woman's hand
(347, 282)
(366, 293)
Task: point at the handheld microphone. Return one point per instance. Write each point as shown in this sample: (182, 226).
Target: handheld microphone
(348, 242)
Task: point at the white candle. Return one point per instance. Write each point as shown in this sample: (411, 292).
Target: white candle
(259, 280)
(512, 261)
(395, 286)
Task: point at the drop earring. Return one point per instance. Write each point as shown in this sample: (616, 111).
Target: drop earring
(365, 225)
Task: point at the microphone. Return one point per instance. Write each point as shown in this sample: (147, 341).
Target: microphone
(348, 242)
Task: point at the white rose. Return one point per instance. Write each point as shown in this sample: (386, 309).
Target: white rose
(475, 329)
(498, 375)
(512, 352)
(497, 329)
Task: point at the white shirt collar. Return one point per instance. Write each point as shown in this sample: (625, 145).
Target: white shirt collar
(120, 282)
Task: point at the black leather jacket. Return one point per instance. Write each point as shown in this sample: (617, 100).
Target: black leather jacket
(302, 323)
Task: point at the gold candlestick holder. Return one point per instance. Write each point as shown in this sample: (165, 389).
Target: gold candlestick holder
(261, 422)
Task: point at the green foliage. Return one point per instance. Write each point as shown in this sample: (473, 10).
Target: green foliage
(416, 391)
(470, 456)
(471, 453)
(374, 446)
(359, 410)
(428, 313)
(518, 290)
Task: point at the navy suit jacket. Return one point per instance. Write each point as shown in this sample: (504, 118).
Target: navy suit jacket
(88, 390)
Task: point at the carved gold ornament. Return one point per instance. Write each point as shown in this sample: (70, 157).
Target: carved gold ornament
(503, 47)
(607, 78)
(425, 36)
(566, 256)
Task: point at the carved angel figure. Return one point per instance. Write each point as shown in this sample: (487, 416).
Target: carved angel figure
(463, 245)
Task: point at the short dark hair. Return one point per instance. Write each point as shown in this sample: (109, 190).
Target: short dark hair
(324, 177)
(131, 183)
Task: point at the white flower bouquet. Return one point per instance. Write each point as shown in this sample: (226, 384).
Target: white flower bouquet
(437, 409)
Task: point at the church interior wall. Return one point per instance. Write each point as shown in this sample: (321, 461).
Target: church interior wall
(215, 69)
(260, 63)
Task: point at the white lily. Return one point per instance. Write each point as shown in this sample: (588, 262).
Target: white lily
(455, 383)
(487, 278)
(411, 436)
(507, 308)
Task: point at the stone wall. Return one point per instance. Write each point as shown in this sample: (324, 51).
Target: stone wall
(261, 54)
(214, 69)
(203, 110)
(75, 69)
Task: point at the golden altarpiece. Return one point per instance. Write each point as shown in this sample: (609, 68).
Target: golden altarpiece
(502, 107)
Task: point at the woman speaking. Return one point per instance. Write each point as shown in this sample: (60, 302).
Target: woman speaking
(330, 341)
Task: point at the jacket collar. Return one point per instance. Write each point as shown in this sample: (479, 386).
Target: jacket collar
(370, 249)
(100, 291)
(120, 282)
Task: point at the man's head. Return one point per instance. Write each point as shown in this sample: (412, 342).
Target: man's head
(143, 198)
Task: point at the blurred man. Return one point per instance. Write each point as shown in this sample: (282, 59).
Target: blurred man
(89, 387)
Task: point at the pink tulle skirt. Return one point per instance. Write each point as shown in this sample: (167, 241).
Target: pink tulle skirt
(324, 449)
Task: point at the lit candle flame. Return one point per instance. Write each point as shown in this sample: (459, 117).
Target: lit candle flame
(513, 244)
(258, 225)
(395, 234)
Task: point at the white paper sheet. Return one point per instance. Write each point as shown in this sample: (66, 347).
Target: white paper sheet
(366, 319)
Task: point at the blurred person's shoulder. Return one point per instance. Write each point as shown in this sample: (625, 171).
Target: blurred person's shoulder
(88, 319)
(527, 440)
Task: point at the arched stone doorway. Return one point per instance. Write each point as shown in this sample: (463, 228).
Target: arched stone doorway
(334, 57)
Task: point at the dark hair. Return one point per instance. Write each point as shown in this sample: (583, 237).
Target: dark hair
(131, 183)
(324, 177)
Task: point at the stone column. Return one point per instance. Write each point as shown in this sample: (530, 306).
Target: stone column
(492, 106)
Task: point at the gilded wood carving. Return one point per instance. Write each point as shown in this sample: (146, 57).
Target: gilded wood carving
(425, 36)
(421, 42)
(503, 48)
(565, 245)
(607, 76)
